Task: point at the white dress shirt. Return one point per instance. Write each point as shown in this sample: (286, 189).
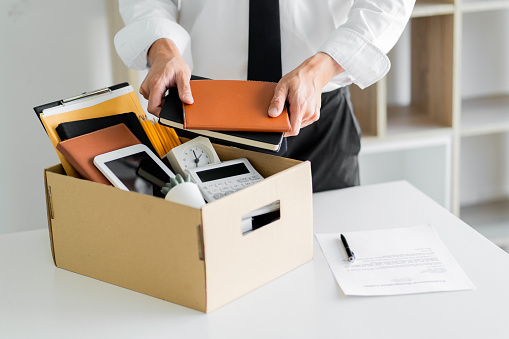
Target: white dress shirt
(212, 35)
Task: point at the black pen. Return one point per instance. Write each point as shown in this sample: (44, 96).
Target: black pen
(349, 252)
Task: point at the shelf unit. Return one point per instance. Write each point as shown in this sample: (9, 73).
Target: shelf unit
(438, 108)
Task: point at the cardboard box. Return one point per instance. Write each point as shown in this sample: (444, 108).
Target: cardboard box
(198, 258)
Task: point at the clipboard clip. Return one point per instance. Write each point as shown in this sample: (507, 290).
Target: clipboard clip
(86, 95)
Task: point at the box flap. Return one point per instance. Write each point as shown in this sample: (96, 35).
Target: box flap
(265, 164)
(49, 204)
(236, 263)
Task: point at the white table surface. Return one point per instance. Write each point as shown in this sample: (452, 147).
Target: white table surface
(38, 300)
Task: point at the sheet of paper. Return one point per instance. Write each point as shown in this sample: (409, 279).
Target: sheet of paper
(393, 261)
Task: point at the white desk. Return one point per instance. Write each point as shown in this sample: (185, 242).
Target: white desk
(38, 300)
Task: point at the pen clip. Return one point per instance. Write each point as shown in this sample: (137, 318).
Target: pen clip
(86, 95)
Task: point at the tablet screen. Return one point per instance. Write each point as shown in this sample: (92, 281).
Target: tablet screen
(139, 173)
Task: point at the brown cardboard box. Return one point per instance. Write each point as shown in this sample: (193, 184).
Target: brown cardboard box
(198, 258)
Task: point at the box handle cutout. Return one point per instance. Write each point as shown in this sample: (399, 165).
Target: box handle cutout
(260, 217)
(200, 242)
(49, 198)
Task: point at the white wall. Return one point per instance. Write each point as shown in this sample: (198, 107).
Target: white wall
(50, 49)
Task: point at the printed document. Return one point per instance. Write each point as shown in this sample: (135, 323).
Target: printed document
(393, 261)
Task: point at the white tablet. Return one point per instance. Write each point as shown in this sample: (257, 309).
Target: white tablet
(134, 168)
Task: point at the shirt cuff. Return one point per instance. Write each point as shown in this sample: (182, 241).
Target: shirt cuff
(134, 40)
(362, 61)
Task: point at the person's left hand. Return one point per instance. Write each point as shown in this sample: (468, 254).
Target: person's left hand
(302, 89)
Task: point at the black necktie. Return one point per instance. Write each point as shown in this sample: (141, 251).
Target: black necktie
(264, 63)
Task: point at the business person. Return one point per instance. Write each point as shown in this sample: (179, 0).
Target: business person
(324, 47)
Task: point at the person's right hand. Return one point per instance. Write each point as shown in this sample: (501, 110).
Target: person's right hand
(168, 69)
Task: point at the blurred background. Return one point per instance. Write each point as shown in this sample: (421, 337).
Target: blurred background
(54, 49)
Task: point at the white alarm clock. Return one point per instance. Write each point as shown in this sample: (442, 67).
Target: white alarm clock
(192, 154)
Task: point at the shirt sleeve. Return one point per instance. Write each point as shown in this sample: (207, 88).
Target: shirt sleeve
(147, 21)
(361, 43)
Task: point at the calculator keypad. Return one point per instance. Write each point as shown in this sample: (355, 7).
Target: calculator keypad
(213, 191)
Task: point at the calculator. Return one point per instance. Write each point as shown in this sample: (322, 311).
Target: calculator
(221, 179)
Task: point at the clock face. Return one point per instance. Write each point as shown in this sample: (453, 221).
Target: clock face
(192, 154)
(195, 156)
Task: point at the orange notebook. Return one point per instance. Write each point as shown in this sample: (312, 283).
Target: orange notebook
(81, 151)
(233, 105)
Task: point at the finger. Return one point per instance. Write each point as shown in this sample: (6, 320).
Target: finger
(313, 118)
(155, 99)
(278, 100)
(154, 103)
(295, 119)
(184, 88)
(144, 90)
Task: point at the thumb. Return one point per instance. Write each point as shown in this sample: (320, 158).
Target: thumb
(278, 101)
(184, 89)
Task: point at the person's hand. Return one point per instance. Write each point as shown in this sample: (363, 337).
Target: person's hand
(302, 89)
(168, 69)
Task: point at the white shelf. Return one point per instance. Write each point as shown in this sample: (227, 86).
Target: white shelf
(405, 121)
(431, 9)
(489, 219)
(485, 115)
(481, 6)
(424, 162)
